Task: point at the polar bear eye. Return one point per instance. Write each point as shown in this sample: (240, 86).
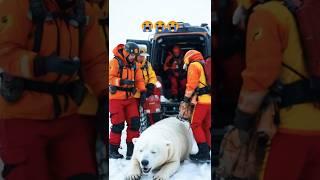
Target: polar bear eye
(141, 150)
(153, 152)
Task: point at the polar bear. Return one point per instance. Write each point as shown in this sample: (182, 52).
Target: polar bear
(161, 148)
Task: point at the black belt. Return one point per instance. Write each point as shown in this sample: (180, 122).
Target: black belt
(299, 92)
(76, 90)
(131, 89)
(49, 88)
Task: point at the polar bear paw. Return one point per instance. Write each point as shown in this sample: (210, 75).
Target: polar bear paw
(159, 176)
(133, 177)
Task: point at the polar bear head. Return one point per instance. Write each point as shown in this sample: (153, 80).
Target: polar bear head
(151, 154)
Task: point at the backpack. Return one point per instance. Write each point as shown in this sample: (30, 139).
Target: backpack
(307, 15)
(206, 65)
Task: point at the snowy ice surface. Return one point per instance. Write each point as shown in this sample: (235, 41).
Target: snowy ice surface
(118, 168)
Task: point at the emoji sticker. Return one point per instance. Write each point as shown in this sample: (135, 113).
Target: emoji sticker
(160, 26)
(173, 26)
(147, 26)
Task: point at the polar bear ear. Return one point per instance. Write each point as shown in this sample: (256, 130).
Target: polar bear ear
(134, 140)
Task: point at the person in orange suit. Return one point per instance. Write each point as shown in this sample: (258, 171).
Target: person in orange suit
(173, 66)
(201, 117)
(150, 80)
(45, 62)
(274, 54)
(125, 79)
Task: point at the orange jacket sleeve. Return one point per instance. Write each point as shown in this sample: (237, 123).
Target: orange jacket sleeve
(94, 55)
(114, 80)
(194, 73)
(139, 81)
(264, 51)
(15, 58)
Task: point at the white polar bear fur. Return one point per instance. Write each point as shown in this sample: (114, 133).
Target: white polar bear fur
(165, 144)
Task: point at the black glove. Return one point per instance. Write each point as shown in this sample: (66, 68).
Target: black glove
(126, 82)
(186, 99)
(53, 63)
(150, 87)
(244, 122)
(143, 97)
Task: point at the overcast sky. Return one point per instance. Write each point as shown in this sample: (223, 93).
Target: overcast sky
(126, 16)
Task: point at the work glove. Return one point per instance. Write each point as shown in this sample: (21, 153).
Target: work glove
(56, 64)
(150, 88)
(126, 82)
(244, 122)
(143, 97)
(184, 108)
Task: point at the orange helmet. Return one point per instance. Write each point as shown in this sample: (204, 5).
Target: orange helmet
(192, 55)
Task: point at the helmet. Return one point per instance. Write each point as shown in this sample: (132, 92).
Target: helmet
(131, 48)
(192, 55)
(143, 51)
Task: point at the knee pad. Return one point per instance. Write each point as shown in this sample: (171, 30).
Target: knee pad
(117, 128)
(84, 176)
(135, 124)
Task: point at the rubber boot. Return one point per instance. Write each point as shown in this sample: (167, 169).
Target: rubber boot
(113, 152)
(130, 147)
(203, 155)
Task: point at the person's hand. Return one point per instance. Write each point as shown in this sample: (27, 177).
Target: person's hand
(244, 123)
(56, 64)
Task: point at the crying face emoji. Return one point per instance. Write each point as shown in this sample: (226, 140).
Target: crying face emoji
(160, 26)
(147, 26)
(173, 26)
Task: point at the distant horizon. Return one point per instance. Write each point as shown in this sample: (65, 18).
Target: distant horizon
(126, 17)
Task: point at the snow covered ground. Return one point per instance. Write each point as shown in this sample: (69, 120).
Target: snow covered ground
(118, 168)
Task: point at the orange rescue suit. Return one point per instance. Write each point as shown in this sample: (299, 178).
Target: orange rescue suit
(16, 57)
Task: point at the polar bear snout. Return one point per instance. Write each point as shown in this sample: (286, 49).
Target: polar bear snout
(144, 163)
(145, 166)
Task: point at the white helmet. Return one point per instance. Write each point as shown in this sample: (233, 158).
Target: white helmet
(143, 51)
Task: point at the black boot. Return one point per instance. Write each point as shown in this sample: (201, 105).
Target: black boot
(130, 147)
(113, 152)
(203, 155)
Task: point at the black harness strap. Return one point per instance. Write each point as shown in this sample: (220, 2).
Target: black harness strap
(40, 15)
(121, 67)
